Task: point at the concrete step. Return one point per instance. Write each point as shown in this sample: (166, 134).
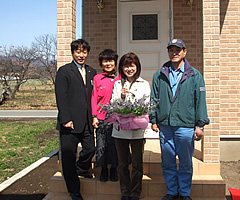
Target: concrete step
(207, 183)
(65, 196)
(152, 160)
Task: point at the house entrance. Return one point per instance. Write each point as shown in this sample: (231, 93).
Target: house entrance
(144, 28)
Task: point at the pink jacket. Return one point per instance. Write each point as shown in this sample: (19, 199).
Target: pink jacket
(102, 93)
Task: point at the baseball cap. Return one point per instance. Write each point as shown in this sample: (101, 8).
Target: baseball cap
(176, 42)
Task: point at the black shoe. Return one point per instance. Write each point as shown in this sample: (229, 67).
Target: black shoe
(125, 198)
(104, 174)
(169, 197)
(76, 196)
(186, 198)
(113, 174)
(85, 174)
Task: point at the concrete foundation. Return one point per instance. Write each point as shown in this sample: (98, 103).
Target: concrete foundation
(230, 149)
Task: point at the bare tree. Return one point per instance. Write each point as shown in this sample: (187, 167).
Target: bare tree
(15, 65)
(46, 52)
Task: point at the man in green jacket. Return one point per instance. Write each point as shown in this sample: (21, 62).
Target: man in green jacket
(179, 118)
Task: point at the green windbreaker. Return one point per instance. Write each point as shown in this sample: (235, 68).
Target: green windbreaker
(188, 107)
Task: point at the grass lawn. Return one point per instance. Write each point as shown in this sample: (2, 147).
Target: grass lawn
(24, 141)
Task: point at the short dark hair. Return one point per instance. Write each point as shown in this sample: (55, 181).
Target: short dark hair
(108, 54)
(126, 60)
(80, 42)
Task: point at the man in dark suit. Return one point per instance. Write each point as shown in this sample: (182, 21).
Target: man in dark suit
(73, 88)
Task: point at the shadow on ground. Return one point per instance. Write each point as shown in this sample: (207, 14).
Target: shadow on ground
(22, 196)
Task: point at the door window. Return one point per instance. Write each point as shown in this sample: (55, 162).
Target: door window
(145, 27)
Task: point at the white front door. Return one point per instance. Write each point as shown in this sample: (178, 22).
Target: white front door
(144, 28)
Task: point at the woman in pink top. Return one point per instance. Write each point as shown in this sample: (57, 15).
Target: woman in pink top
(102, 92)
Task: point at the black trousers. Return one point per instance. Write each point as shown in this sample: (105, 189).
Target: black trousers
(69, 143)
(130, 182)
(106, 152)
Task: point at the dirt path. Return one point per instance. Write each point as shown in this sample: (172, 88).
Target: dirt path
(230, 172)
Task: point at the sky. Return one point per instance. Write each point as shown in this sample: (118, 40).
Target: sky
(23, 20)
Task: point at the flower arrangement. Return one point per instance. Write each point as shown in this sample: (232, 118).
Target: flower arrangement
(130, 115)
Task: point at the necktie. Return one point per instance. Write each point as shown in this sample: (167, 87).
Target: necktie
(83, 73)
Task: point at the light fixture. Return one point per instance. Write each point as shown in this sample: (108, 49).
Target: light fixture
(189, 3)
(100, 5)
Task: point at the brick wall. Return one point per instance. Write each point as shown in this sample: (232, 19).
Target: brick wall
(211, 57)
(187, 25)
(229, 66)
(66, 30)
(100, 29)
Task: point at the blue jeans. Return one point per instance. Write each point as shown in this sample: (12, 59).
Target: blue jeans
(175, 140)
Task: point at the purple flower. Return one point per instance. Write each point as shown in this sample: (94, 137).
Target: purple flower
(137, 108)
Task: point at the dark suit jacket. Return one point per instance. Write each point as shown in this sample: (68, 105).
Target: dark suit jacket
(73, 97)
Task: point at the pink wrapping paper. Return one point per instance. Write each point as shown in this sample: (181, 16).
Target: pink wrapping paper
(129, 122)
